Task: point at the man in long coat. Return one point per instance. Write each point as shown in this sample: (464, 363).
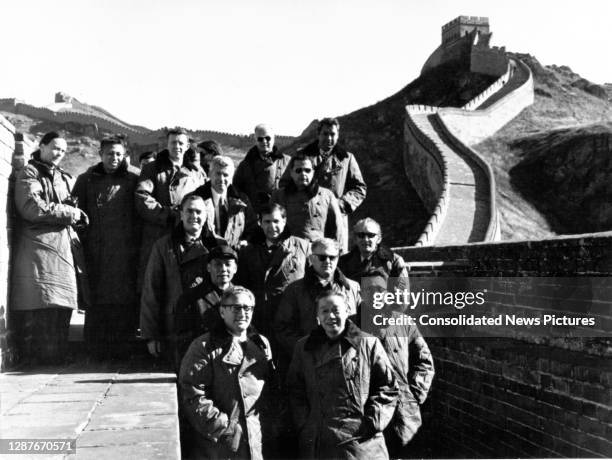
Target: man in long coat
(45, 281)
(106, 193)
(177, 263)
(341, 387)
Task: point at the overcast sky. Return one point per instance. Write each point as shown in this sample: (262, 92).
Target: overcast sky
(228, 65)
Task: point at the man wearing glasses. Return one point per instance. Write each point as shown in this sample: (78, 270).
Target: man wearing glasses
(370, 256)
(222, 380)
(260, 171)
(296, 315)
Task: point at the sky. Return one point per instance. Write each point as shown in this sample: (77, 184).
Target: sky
(227, 65)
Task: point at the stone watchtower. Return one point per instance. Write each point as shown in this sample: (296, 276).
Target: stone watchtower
(462, 26)
(63, 97)
(465, 42)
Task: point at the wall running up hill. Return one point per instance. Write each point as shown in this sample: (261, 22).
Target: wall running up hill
(433, 133)
(476, 125)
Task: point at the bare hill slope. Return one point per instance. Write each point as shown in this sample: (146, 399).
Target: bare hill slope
(564, 102)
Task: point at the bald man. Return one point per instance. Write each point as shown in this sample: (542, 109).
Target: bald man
(260, 171)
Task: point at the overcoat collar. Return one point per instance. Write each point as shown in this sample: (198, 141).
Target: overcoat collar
(351, 335)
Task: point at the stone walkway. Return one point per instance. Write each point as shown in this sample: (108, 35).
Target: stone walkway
(468, 213)
(114, 410)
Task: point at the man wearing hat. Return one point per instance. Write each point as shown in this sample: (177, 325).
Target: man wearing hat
(197, 309)
(176, 263)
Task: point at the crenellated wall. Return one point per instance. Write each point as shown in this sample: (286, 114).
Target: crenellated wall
(425, 161)
(474, 126)
(493, 88)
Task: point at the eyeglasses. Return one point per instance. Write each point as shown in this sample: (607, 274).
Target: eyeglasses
(364, 234)
(324, 257)
(264, 138)
(237, 308)
(301, 170)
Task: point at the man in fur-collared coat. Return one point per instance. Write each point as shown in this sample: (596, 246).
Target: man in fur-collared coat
(341, 387)
(222, 384)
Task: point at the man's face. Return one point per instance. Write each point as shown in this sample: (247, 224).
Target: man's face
(264, 139)
(177, 146)
(273, 225)
(324, 261)
(367, 237)
(332, 314)
(221, 271)
(221, 178)
(328, 137)
(112, 156)
(237, 313)
(193, 216)
(54, 151)
(302, 173)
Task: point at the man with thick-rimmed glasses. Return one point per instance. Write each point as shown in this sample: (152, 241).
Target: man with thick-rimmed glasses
(259, 173)
(222, 380)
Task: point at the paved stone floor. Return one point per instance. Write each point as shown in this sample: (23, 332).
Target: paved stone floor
(115, 409)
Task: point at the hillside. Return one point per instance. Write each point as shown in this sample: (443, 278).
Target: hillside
(83, 141)
(566, 174)
(564, 102)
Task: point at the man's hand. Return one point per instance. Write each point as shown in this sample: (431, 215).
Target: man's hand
(154, 347)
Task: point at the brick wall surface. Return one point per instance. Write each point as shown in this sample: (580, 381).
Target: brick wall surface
(525, 396)
(7, 146)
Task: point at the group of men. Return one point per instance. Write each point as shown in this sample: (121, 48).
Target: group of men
(239, 288)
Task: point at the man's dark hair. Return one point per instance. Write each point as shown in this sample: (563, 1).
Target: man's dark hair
(176, 132)
(146, 155)
(328, 122)
(270, 208)
(299, 157)
(211, 147)
(116, 139)
(47, 138)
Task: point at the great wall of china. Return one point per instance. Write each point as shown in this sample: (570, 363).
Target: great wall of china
(509, 396)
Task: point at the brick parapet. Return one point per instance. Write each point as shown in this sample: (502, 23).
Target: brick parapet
(7, 147)
(419, 149)
(537, 396)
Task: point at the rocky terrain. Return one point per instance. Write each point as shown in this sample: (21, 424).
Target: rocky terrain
(553, 131)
